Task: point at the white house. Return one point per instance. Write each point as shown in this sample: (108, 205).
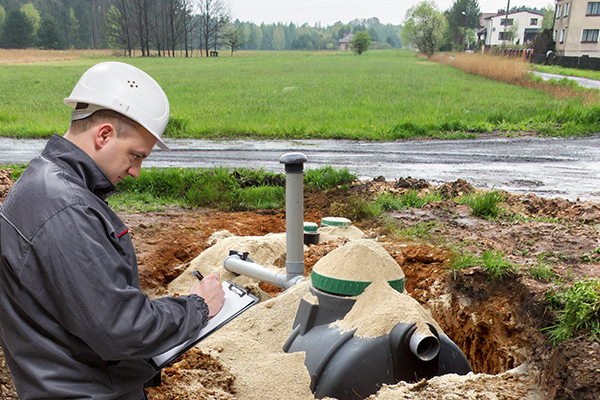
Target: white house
(498, 28)
(577, 27)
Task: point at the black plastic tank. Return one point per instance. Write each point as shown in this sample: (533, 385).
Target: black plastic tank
(345, 366)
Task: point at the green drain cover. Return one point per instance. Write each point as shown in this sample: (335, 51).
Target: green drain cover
(346, 287)
(310, 227)
(335, 221)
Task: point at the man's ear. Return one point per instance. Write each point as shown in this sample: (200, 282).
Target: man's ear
(104, 133)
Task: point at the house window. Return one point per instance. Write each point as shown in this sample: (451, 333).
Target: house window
(555, 35)
(533, 21)
(505, 21)
(590, 35)
(566, 9)
(593, 8)
(562, 36)
(558, 11)
(502, 35)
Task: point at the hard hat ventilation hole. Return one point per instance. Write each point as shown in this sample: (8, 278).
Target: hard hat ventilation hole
(132, 84)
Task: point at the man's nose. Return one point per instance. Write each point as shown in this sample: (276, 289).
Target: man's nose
(134, 171)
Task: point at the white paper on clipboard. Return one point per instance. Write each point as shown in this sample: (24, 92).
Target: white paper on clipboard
(237, 300)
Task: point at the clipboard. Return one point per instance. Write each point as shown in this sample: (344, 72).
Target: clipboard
(237, 300)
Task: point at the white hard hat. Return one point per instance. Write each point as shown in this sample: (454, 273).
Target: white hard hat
(125, 89)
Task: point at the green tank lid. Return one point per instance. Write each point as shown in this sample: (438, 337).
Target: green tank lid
(310, 227)
(335, 221)
(346, 287)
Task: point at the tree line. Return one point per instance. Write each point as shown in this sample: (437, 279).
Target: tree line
(167, 28)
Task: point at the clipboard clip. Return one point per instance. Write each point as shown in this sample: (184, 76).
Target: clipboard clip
(237, 289)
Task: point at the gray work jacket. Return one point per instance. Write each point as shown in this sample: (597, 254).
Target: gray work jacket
(73, 321)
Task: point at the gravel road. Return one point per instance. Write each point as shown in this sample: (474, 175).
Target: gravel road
(548, 167)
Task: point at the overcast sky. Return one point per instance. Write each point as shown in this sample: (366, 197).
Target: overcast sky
(330, 11)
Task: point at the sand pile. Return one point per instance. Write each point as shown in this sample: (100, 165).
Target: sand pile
(263, 250)
(380, 308)
(359, 260)
(250, 347)
(327, 233)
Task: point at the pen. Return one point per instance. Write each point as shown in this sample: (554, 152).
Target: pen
(198, 275)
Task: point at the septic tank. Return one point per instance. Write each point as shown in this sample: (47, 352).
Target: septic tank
(360, 330)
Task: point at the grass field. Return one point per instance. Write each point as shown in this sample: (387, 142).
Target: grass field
(381, 95)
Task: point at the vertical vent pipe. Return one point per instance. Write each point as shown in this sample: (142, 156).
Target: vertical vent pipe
(294, 213)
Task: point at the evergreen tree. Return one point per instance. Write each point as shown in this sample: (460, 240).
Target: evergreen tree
(17, 31)
(463, 16)
(49, 34)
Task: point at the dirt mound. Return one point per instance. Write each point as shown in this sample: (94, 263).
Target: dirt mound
(198, 373)
(6, 182)
(573, 372)
(532, 205)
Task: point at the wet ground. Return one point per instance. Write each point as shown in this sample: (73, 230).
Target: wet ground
(547, 167)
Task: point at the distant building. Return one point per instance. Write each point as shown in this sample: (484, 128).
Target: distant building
(345, 41)
(497, 27)
(576, 28)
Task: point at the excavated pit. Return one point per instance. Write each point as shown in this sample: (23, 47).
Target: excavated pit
(489, 321)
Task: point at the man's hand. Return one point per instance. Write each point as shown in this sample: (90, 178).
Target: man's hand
(211, 291)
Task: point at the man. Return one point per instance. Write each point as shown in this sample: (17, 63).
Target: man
(73, 321)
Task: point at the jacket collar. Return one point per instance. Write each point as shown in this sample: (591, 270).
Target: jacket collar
(78, 165)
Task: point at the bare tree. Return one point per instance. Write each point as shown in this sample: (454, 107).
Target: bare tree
(234, 38)
(123, 23)
(214, 16)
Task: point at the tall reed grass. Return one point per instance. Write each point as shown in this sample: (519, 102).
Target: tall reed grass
(516, 72)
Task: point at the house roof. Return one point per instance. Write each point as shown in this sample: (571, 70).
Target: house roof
(346, 38)
(502, 13)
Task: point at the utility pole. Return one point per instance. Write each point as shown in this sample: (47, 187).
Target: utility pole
(505, 24)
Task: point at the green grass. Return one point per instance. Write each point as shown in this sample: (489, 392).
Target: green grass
(410, 199)
(381, 95)
(493, 262)
(17, 170)
(496, 266)
(419, 232)
(240, 189)
(579, 308)
(485, 205)
(328, 177)
(554, 69)
(542, 271)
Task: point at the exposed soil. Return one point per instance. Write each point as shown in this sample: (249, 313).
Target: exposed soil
(496, 324)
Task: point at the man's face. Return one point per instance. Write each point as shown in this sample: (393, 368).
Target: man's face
(121, 157)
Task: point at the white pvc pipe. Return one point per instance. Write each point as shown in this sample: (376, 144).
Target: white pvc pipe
(236, 265)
